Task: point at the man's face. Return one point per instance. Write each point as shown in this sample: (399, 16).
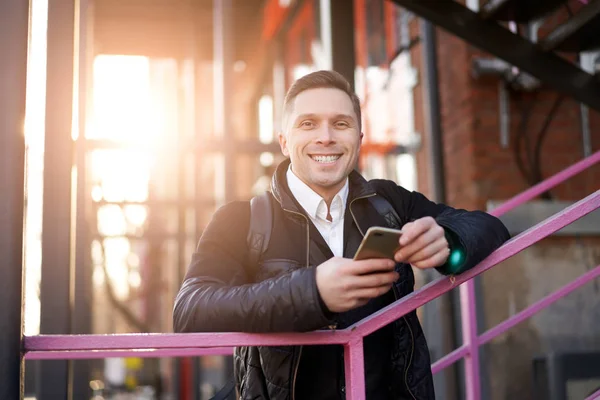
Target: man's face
(322, 138)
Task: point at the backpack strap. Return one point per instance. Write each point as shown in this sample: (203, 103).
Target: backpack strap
(385, 209)
(261, 224)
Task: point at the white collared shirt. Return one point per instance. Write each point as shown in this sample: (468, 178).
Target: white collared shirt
(316, 208)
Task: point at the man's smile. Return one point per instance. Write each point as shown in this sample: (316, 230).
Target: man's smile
(325, 158)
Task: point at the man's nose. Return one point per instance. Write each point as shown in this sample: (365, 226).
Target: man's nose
(326, 134)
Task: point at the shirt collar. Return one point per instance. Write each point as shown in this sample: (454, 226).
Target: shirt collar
(314, 204)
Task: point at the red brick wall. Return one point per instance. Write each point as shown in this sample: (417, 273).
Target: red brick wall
(477, 167)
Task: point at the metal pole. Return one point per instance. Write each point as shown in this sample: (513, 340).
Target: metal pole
(442, 309)
(354, 367)
(470, 339)
(223, 96)
(432, 112)
(55, 286)
(82, 318)
(223, 66)
(14, 31)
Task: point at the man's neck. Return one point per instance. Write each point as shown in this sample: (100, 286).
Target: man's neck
(327, 193)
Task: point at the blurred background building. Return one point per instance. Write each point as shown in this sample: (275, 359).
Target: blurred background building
(144, 116)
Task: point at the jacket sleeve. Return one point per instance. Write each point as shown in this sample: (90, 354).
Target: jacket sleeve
(472, 235)
(218, 295)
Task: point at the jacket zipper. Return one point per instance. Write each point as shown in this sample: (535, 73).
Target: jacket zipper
(412, 349)
(296, 373)
(297, 364)
(352, 213)
(412, 338)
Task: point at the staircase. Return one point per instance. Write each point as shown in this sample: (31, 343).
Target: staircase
(551, 59)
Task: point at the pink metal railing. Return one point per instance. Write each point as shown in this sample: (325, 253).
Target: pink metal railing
(594, 396)
(176, 345)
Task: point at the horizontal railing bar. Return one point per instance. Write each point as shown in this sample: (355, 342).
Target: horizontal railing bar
(547, 184)
(539, 305)
(449, 359)
(180, 340)
(462, 351)
(436, 288)
(146, 353)
(594, 396)
(363, 328)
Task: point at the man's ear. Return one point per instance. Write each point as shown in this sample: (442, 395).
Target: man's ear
(361, 138)
(283, 144)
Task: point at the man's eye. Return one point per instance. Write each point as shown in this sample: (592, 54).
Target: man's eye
(306, 124)
(341, 124)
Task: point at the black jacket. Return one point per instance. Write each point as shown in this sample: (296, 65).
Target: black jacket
(222, 293)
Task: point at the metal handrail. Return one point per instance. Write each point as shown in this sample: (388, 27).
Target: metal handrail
(170, 345)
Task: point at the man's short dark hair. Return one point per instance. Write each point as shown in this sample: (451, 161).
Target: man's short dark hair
(318, 80)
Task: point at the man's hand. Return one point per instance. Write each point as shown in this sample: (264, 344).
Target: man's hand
(345, 284)
(423, 244)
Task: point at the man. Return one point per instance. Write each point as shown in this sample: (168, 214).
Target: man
(306, 280)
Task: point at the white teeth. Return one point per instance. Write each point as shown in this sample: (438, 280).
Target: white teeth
(325, 159)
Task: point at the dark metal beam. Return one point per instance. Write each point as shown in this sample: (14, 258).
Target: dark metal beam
(55, 286)
(489, 36)
(519, 10)
(14, 30)
(580, 33)
(342, 38)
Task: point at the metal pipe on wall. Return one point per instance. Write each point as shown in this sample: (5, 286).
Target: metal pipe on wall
(14, 29)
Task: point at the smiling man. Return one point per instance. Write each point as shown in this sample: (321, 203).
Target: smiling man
(306, 278)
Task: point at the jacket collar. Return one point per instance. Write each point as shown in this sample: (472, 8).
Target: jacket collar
(357, 184)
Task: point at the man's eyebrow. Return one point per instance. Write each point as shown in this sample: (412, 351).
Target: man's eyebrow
(313, 115)
(305, 116)
(342, 116)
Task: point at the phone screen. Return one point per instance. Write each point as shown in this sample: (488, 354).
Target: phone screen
(379, 242)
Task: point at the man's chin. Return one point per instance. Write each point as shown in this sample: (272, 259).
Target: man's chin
(327, 182)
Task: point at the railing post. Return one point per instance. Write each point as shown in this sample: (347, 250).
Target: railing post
(354, 365)
(470, 339)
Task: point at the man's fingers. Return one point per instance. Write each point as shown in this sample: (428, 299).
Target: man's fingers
(423, 241)
(370, 266)
(372, 293)
(428, 251)
(436, 260)
(376, 280)
(414, 229)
